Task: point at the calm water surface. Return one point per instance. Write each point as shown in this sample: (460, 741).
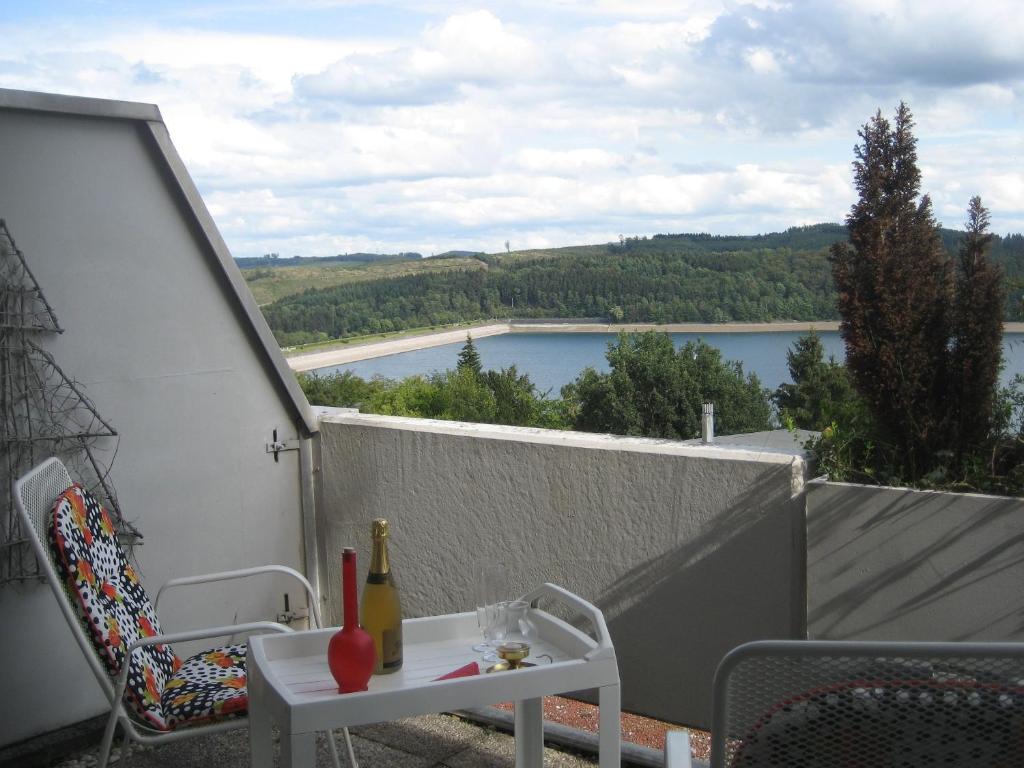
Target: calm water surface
(554, 359)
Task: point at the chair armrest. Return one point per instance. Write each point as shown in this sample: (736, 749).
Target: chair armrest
(242, 573)
(199, 634)
(677, 749)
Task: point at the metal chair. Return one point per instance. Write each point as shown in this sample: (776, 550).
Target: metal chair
(804, 704)
(35, 497)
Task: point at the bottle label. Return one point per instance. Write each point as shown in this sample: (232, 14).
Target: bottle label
(377, 578)
(392, 645)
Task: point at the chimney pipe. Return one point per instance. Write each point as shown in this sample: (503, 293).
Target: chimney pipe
(707, 423)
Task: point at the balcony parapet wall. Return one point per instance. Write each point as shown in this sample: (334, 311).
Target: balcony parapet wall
(688, 549)
(906, 565)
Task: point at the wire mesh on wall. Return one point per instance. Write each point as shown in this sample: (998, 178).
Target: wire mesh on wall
(45, 413)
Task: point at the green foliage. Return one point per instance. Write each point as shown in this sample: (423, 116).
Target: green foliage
(298, 338)
(516, 398)
(469, 358)
(657, 391)
(489, 397)
(467, 398)
(413, 396)
(847, 451)
(339, 390)
(821, 393)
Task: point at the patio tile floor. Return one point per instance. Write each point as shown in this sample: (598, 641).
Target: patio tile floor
(431, 741)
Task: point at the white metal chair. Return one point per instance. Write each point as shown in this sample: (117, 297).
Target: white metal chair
(36, 495)
(826, 704)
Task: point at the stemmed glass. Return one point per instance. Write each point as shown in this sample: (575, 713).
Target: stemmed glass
(490, 612)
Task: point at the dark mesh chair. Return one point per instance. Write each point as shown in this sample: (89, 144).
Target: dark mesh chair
(806, 704)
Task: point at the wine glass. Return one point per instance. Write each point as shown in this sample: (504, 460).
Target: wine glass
(487, 590)
(497, 629)
(519, 627)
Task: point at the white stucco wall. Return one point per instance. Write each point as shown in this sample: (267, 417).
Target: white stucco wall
(906, 565)
(172, 364)
(688, 550)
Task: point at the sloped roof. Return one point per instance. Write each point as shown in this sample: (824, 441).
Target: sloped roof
(233, 285)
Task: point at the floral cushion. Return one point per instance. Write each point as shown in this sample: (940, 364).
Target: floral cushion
(112, 604)
(116, 611)
(207, 686)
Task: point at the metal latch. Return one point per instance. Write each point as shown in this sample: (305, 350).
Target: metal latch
(276, 446)
(289, 615)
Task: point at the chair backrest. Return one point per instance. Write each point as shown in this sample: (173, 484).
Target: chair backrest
(97, 588)
(34, 495)
(810, 704)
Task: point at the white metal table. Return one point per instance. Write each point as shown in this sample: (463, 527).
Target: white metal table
(290, 684)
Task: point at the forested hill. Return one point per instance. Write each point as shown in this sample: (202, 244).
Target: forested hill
(662, 279)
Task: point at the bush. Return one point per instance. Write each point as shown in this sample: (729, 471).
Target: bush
(656, 391)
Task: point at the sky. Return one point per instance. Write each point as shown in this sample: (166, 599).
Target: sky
(317, 127)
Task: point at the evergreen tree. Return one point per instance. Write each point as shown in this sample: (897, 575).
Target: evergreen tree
(894, 289)
(469, 358)
(977, 333)
(821, 392)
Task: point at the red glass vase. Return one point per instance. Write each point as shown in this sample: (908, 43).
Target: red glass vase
(351, 653)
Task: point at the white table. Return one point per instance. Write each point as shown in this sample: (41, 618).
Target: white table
(291, 686)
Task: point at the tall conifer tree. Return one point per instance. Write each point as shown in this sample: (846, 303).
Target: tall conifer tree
(469, 358)
(977, 333)
(894, 286)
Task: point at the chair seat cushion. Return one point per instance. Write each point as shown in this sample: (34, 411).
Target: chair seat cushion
(111, 602)
(210, 685)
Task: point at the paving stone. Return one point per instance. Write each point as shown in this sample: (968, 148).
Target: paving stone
(431, 741)
(497, 750)
(371, 754)
(435, 737)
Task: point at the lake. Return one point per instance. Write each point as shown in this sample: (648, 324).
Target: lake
(554, 359)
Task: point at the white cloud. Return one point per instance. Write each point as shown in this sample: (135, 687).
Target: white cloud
(549, 123)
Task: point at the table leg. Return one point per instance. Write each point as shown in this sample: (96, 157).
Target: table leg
(261, 744)
(298, 750)
(530, 733)
(610, 728)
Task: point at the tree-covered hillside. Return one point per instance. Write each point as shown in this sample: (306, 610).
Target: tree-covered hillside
(663, 279)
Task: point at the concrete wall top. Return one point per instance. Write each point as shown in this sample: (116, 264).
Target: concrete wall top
(730, 452)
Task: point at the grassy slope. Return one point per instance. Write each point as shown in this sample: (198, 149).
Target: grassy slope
(268, 284)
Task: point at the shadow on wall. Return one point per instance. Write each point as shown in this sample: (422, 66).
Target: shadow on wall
(677, 615)
(896, 564)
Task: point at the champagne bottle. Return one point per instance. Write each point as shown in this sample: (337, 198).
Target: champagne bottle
(381, 611)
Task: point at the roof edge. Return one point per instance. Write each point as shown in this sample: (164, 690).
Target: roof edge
(229, 270)
(36, 101)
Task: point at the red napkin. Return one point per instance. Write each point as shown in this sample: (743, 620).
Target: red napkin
(467, 671)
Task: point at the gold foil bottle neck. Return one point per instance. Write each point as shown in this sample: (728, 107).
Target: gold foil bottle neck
(380, 528)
